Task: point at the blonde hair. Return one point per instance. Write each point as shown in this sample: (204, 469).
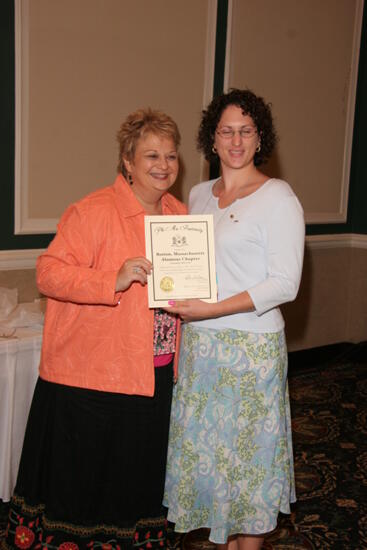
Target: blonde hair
(137, 125)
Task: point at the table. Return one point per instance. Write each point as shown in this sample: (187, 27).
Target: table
(19, 361)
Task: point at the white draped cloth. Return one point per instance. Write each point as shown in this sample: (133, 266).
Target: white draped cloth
(19, 361)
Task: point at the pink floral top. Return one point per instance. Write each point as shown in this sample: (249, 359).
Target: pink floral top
(164, 340)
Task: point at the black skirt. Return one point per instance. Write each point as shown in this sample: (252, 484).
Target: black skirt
(92, 469)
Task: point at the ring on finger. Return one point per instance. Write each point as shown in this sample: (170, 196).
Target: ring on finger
(136, 269)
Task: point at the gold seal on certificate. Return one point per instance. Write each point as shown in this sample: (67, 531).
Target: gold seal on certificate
(167, 284)
(181, 249)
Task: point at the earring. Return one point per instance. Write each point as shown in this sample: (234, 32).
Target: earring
(214, 149)
(130, 178)
(258, 148)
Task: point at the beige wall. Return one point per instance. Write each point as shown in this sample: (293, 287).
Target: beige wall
(301, 56)
(85, 65)
(331, 306)
(22, 279)
(88, 67)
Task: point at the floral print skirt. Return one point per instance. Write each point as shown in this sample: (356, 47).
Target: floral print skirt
(230, 459)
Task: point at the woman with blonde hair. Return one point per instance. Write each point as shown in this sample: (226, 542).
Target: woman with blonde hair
(93, 461)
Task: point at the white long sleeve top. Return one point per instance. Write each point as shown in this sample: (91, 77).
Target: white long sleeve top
(259, 245)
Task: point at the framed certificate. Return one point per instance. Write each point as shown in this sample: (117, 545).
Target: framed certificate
(181, 249)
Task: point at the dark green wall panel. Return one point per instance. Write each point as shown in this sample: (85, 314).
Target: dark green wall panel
(8, 240)
(358, 175)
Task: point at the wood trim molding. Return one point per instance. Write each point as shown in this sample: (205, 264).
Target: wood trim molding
(19, 259)
(342, 240)
(26, 259)
(24, 224)
(21, 112)
(27, 221)
(339, 216)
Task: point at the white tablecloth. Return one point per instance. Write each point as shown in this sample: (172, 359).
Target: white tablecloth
(19, 360)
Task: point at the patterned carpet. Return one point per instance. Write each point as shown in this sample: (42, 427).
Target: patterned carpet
(328, 389)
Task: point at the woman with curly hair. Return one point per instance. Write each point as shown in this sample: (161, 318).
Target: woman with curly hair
(230, 463)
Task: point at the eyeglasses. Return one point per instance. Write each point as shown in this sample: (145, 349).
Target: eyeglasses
(228, 133)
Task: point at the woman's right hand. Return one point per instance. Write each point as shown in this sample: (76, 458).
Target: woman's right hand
(133, 270)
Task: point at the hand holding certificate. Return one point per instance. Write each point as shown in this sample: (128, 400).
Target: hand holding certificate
(181, 249)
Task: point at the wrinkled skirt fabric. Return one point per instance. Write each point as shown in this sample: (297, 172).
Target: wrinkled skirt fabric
(230, 459)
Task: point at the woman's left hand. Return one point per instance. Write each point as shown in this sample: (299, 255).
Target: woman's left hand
(191, 310)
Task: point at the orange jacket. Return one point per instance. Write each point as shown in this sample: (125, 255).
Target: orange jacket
(93, 337)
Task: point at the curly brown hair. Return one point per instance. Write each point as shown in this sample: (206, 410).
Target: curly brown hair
(137, 125)
(251, 105)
